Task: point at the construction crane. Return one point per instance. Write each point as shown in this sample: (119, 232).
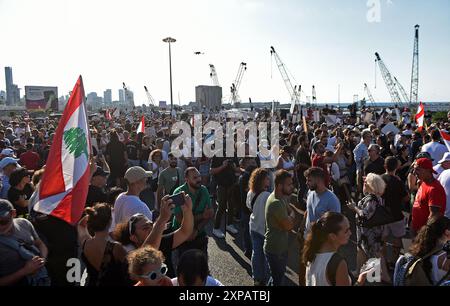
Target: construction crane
(235, 99)
(414, 97)
(294, 94)
(388, 80)
(151, 101)
(314, 95)
(369, 94)
(213, 75)
(402, 90)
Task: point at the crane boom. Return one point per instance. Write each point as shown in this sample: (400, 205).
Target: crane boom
(388, 80)
(295, 95)
(213, 75)
(151, 101)
(235, 99)
(414, 97)
(314, 95)
(402, 90)
(369, 94)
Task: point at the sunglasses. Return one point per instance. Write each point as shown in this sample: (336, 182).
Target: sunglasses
(132, 222)
(154, 275)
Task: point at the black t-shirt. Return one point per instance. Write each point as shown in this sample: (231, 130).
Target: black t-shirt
(95, 195)
(166, 248)
(115, 151)
(227, 177)
(132, 150)
(302, 157)
(14, 195)
(393, 195)
(376, 166)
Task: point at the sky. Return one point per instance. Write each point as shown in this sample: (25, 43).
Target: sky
(325, 43)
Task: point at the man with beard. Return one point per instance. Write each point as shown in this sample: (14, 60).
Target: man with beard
(201, 209)
(169, 179)
(320, 198)
(280, 220)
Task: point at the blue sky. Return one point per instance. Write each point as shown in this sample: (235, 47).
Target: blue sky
(322, 42)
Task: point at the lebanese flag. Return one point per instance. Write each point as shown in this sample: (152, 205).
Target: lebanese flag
(108, 115)
(420, 116)
(141, 127)
(64, 186)
(446, 136)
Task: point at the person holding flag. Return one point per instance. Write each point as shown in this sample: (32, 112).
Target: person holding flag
(59, 200)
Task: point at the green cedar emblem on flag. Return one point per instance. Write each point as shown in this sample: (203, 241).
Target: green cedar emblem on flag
(76, 142)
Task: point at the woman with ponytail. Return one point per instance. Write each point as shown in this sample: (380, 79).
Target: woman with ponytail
(324, 266)
(105, 260)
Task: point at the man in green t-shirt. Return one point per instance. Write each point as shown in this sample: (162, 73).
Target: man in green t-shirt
(201, 209)
(279, 222)
(169, 179)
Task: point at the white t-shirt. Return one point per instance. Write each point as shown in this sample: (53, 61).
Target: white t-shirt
(126, 206)
(444, 179)
(257, 219)
(436, 151)
(210, 282)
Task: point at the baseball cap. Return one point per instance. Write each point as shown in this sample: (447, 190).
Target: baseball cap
(137, 173)
(100, 172)
(424, 155)
(425, 163)
(7, 161)
(5, 207)
(445, 158)
(7, 152)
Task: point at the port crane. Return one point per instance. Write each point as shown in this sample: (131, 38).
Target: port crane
(414, 97)
(390, 84)
(402, 90)
(235, 99)
(293, 92)
(369, 94)
(213, 75)
(314, 95)
(151, 101)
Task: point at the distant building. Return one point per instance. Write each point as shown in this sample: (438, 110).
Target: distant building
(121, 96)
(107, 96)
(129, 98)
(12, 90)
(209, 97)
(94, 100)
(2, 96)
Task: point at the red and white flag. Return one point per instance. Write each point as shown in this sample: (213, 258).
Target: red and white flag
(446, 137)
(420, 116)
(108, 115)
(141, 126)
(64, 187)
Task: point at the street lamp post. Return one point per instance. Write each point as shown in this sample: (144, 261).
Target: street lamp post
(170, 40)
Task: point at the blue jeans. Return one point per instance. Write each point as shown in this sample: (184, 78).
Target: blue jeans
(260, 267)
(277, 267)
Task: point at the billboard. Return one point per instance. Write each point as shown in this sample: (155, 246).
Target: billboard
(41, 98)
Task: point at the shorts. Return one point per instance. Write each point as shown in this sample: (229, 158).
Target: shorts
(396, 229)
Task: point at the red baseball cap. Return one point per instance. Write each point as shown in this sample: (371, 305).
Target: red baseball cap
(425, 163)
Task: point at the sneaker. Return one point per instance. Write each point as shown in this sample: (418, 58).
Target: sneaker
(232, 229)
(218, 233)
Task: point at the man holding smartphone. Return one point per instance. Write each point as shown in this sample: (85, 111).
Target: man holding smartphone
(201, 209)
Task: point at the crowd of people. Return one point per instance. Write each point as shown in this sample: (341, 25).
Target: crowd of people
(350, 191)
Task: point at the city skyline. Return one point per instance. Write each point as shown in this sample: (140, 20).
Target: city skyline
(322, 43)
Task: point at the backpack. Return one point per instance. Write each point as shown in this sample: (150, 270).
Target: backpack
(409, 271)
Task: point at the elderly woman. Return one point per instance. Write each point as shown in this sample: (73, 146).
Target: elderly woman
(370, 239)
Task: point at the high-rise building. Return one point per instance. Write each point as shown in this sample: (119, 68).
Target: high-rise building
(121, 96)
(94, 100)
(129, 98)
(2, 96)
(107, 96)
(9, 84)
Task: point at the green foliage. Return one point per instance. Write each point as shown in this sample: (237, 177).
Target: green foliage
(439, 116)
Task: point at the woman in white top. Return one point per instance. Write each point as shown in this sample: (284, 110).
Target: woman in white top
(324, 266)
(434, 236)
(256, 202)
(285, 161)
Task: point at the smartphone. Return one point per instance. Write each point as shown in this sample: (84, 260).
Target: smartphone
(177, 199)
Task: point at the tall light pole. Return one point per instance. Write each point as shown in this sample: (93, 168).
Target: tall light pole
(170, 40)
